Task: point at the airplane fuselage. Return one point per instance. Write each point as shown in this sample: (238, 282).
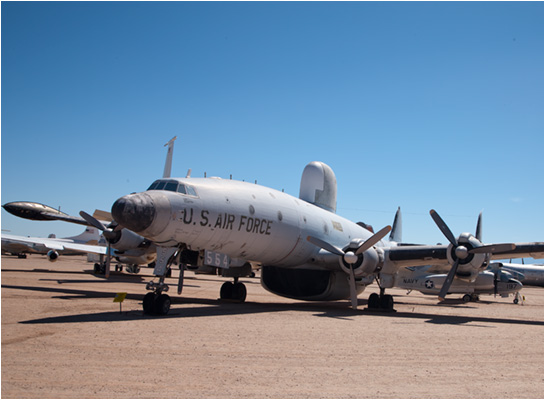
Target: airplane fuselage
(239, 219)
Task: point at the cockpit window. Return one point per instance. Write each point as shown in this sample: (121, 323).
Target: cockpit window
(173, 186)
(191, 191)
(181, 188)
(154, 185)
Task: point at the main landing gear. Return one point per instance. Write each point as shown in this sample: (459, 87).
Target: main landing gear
(381, 302)
(157, 302)
(235, 291)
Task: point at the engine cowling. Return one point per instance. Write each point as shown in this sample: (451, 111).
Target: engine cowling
(367, 263)
(469, 264)
(126, 240)
(52, 255)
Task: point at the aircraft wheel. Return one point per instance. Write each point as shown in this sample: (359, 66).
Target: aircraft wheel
(374, 301)
(148, 303)
(387, 302)
(466, 298)
(516, 300)
(226, 291)
(162, 304)
(239, 292)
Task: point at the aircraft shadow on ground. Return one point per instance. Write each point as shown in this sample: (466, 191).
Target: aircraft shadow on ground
(216, 307)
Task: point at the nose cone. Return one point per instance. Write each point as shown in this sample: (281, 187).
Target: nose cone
(134, 211)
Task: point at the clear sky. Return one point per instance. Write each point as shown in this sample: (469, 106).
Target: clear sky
(418, 105)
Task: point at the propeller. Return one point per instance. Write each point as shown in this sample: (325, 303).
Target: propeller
(462, 252)
(111, 234)
(351, 257)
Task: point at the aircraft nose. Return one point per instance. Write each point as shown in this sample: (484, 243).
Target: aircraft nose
(134, 211)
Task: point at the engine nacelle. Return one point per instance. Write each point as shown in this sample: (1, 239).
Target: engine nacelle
(52, 255)
(307, 284)
(368, 263)
(472, 263)
(126, 240)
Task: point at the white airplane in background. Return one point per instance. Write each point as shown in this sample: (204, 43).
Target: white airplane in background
(307, 251)
(126, 246)
(528, 274)
(52, 247)
(426, 281)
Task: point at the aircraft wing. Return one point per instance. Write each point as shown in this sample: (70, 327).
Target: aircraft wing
(56, 244)
(414, 256)
(522, 250)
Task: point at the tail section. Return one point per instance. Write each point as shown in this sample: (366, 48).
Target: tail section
(168, 162)
(91, 235)
(395, 234)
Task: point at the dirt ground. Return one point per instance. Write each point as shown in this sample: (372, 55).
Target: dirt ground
(64, 337)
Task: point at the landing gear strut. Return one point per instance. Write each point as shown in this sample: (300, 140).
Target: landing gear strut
(157, 302)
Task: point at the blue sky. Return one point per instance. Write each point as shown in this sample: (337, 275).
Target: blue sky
(418, 105)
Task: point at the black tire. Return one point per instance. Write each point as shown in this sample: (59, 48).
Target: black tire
(239, 292)
(149, 303)
(466, 298)
(162, 304)
(374, 301)
(226, 291)
(387, 302)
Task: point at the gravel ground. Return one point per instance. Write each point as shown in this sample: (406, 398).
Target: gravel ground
(64, 337)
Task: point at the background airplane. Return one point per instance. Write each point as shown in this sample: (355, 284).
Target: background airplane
(528, 274)
(424, 280)
(52, 247)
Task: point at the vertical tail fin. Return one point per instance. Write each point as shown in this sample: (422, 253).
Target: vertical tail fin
(395, 235)
(168, 162)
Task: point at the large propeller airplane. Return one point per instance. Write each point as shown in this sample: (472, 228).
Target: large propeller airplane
(306, 250)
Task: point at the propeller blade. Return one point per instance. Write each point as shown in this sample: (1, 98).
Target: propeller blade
(446, 285)
(108, 259)
(353, 292)
(443, 227)
(92, 221)
(494, 248)
(377, 237)
(479, 229)
(324, 245)
(118, 227)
